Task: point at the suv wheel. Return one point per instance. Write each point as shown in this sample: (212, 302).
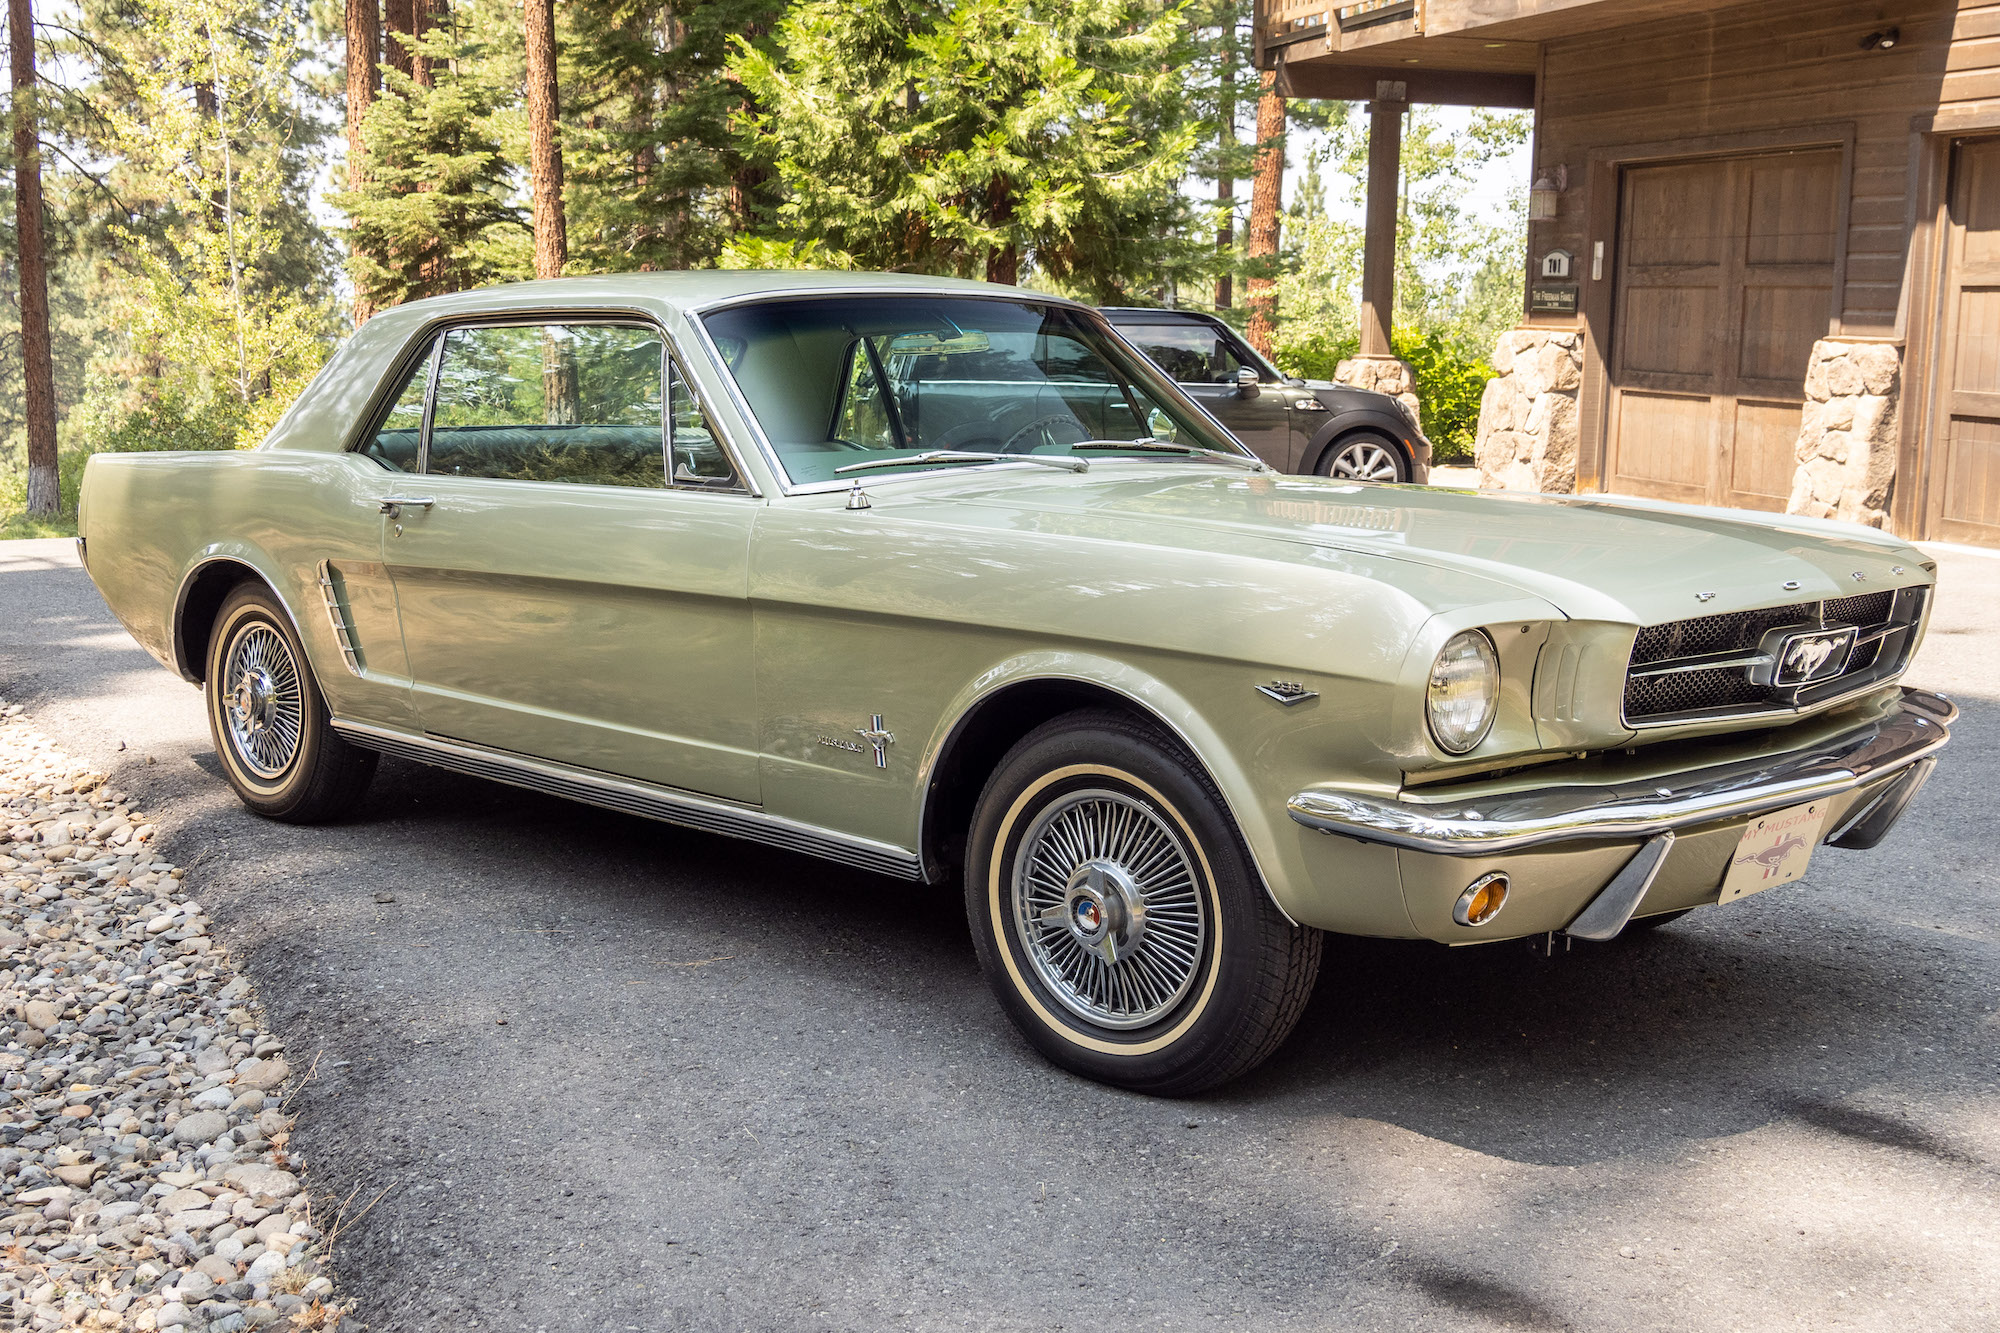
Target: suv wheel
(1364, 457)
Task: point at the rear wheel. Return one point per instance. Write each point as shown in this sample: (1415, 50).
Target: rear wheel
(1118, 917)
(1365, 456)
(271, 727)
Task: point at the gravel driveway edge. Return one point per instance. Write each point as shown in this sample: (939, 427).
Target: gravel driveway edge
(145, 1181)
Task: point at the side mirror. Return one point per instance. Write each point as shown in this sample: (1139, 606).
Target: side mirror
(1246, 382)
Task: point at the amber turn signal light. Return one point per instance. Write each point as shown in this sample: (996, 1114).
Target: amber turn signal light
(1482, 900)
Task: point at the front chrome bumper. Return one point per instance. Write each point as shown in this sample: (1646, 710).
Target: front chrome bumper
(1913, 731)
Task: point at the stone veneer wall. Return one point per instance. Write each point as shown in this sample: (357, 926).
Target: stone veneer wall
(1527, 416)
(1380, 374)
(1847, 434)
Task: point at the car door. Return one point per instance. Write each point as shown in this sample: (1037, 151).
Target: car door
(561, 594)
(1205, 363)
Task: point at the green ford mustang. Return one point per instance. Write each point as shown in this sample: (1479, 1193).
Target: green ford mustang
(945, 580)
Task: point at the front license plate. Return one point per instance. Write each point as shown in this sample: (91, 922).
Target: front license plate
(1774, 849)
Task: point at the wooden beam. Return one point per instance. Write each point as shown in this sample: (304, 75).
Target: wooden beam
(1378, 262)
(1356, 83)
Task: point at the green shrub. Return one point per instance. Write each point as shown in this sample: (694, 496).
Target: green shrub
(102, 424)
(1450, 380)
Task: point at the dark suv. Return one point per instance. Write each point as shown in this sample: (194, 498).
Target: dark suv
(1295, 425)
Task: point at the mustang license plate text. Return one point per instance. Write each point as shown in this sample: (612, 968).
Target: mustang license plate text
(1774, 849)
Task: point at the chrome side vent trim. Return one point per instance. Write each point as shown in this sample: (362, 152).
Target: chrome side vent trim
(636, 798)
(337, 618)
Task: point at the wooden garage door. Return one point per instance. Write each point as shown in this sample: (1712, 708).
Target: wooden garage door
(1725, 281)
(1965, 468)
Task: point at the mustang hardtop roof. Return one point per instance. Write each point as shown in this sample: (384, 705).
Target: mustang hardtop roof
(687, 290)
(1141, 314)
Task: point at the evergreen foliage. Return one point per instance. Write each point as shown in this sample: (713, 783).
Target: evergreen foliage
(981, 137)
(658, 178)
(435, 214)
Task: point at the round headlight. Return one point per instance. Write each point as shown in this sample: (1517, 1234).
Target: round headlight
(1464, 692)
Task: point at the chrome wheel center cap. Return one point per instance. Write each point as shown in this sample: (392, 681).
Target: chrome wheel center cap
(251, 700)
(1104, 909)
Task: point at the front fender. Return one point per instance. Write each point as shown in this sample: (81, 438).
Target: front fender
(1345, 423)
(1162, 702)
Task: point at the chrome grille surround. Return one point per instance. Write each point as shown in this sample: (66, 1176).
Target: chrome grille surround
(1698, 670)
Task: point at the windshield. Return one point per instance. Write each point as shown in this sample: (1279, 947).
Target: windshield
(881, 379)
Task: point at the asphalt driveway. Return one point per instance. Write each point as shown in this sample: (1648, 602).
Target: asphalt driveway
(615, 1075)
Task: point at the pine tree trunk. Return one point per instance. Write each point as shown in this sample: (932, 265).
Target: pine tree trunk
(544, 147)
(1264, 193)
(1003, 264)
(364, 54)
(1225, 184)
(426, 16)
(400, 18)
(37, 368)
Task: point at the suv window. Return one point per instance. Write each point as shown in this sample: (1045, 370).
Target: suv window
(1191, 353)
(577, 403)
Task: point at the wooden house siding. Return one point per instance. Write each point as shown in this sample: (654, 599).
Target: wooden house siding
(1770, 77)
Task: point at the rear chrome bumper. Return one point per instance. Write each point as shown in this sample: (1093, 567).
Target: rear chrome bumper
(1917, 728)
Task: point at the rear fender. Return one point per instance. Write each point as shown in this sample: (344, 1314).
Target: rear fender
(204, 582)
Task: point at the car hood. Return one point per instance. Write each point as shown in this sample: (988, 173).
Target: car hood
(1593, 557)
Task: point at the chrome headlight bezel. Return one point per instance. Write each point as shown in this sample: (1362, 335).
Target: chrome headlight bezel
(1467, 656)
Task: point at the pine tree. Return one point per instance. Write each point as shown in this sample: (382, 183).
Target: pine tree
(656, 178)
(545, 167)
(1261, 253)
(979, 138)
(435, 213)
(38, 371)
(364, 54)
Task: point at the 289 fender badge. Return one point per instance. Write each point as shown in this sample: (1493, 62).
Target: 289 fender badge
(1287, 692)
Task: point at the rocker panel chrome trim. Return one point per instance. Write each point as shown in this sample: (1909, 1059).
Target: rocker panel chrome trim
(635, 798)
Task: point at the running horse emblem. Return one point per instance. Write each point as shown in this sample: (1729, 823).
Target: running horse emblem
(1805, 657)
(1773, 858)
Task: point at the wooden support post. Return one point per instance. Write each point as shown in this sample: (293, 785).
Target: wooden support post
(1378, 265)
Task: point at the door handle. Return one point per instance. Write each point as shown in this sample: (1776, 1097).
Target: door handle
(393, 504)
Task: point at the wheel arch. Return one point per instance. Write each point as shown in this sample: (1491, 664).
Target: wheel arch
(204, 587)
(1011, 700)
(1349, 424)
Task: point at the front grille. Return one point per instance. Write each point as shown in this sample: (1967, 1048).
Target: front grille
(1697, 669)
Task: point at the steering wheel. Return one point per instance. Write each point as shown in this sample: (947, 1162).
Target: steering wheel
(1042, 424)
(847, 444)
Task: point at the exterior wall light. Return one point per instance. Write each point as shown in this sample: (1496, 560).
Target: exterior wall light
(1544, 194)
(1883, 40)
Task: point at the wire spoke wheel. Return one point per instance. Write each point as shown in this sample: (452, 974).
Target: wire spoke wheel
(1363, 460)
(263, 703)
(1109, 908)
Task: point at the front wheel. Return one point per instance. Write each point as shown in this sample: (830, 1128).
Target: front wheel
(1118, 916)
(271, 728)
(1364, 457)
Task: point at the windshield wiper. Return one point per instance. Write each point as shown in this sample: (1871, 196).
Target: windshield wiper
(968, 456)
(1155, 446)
